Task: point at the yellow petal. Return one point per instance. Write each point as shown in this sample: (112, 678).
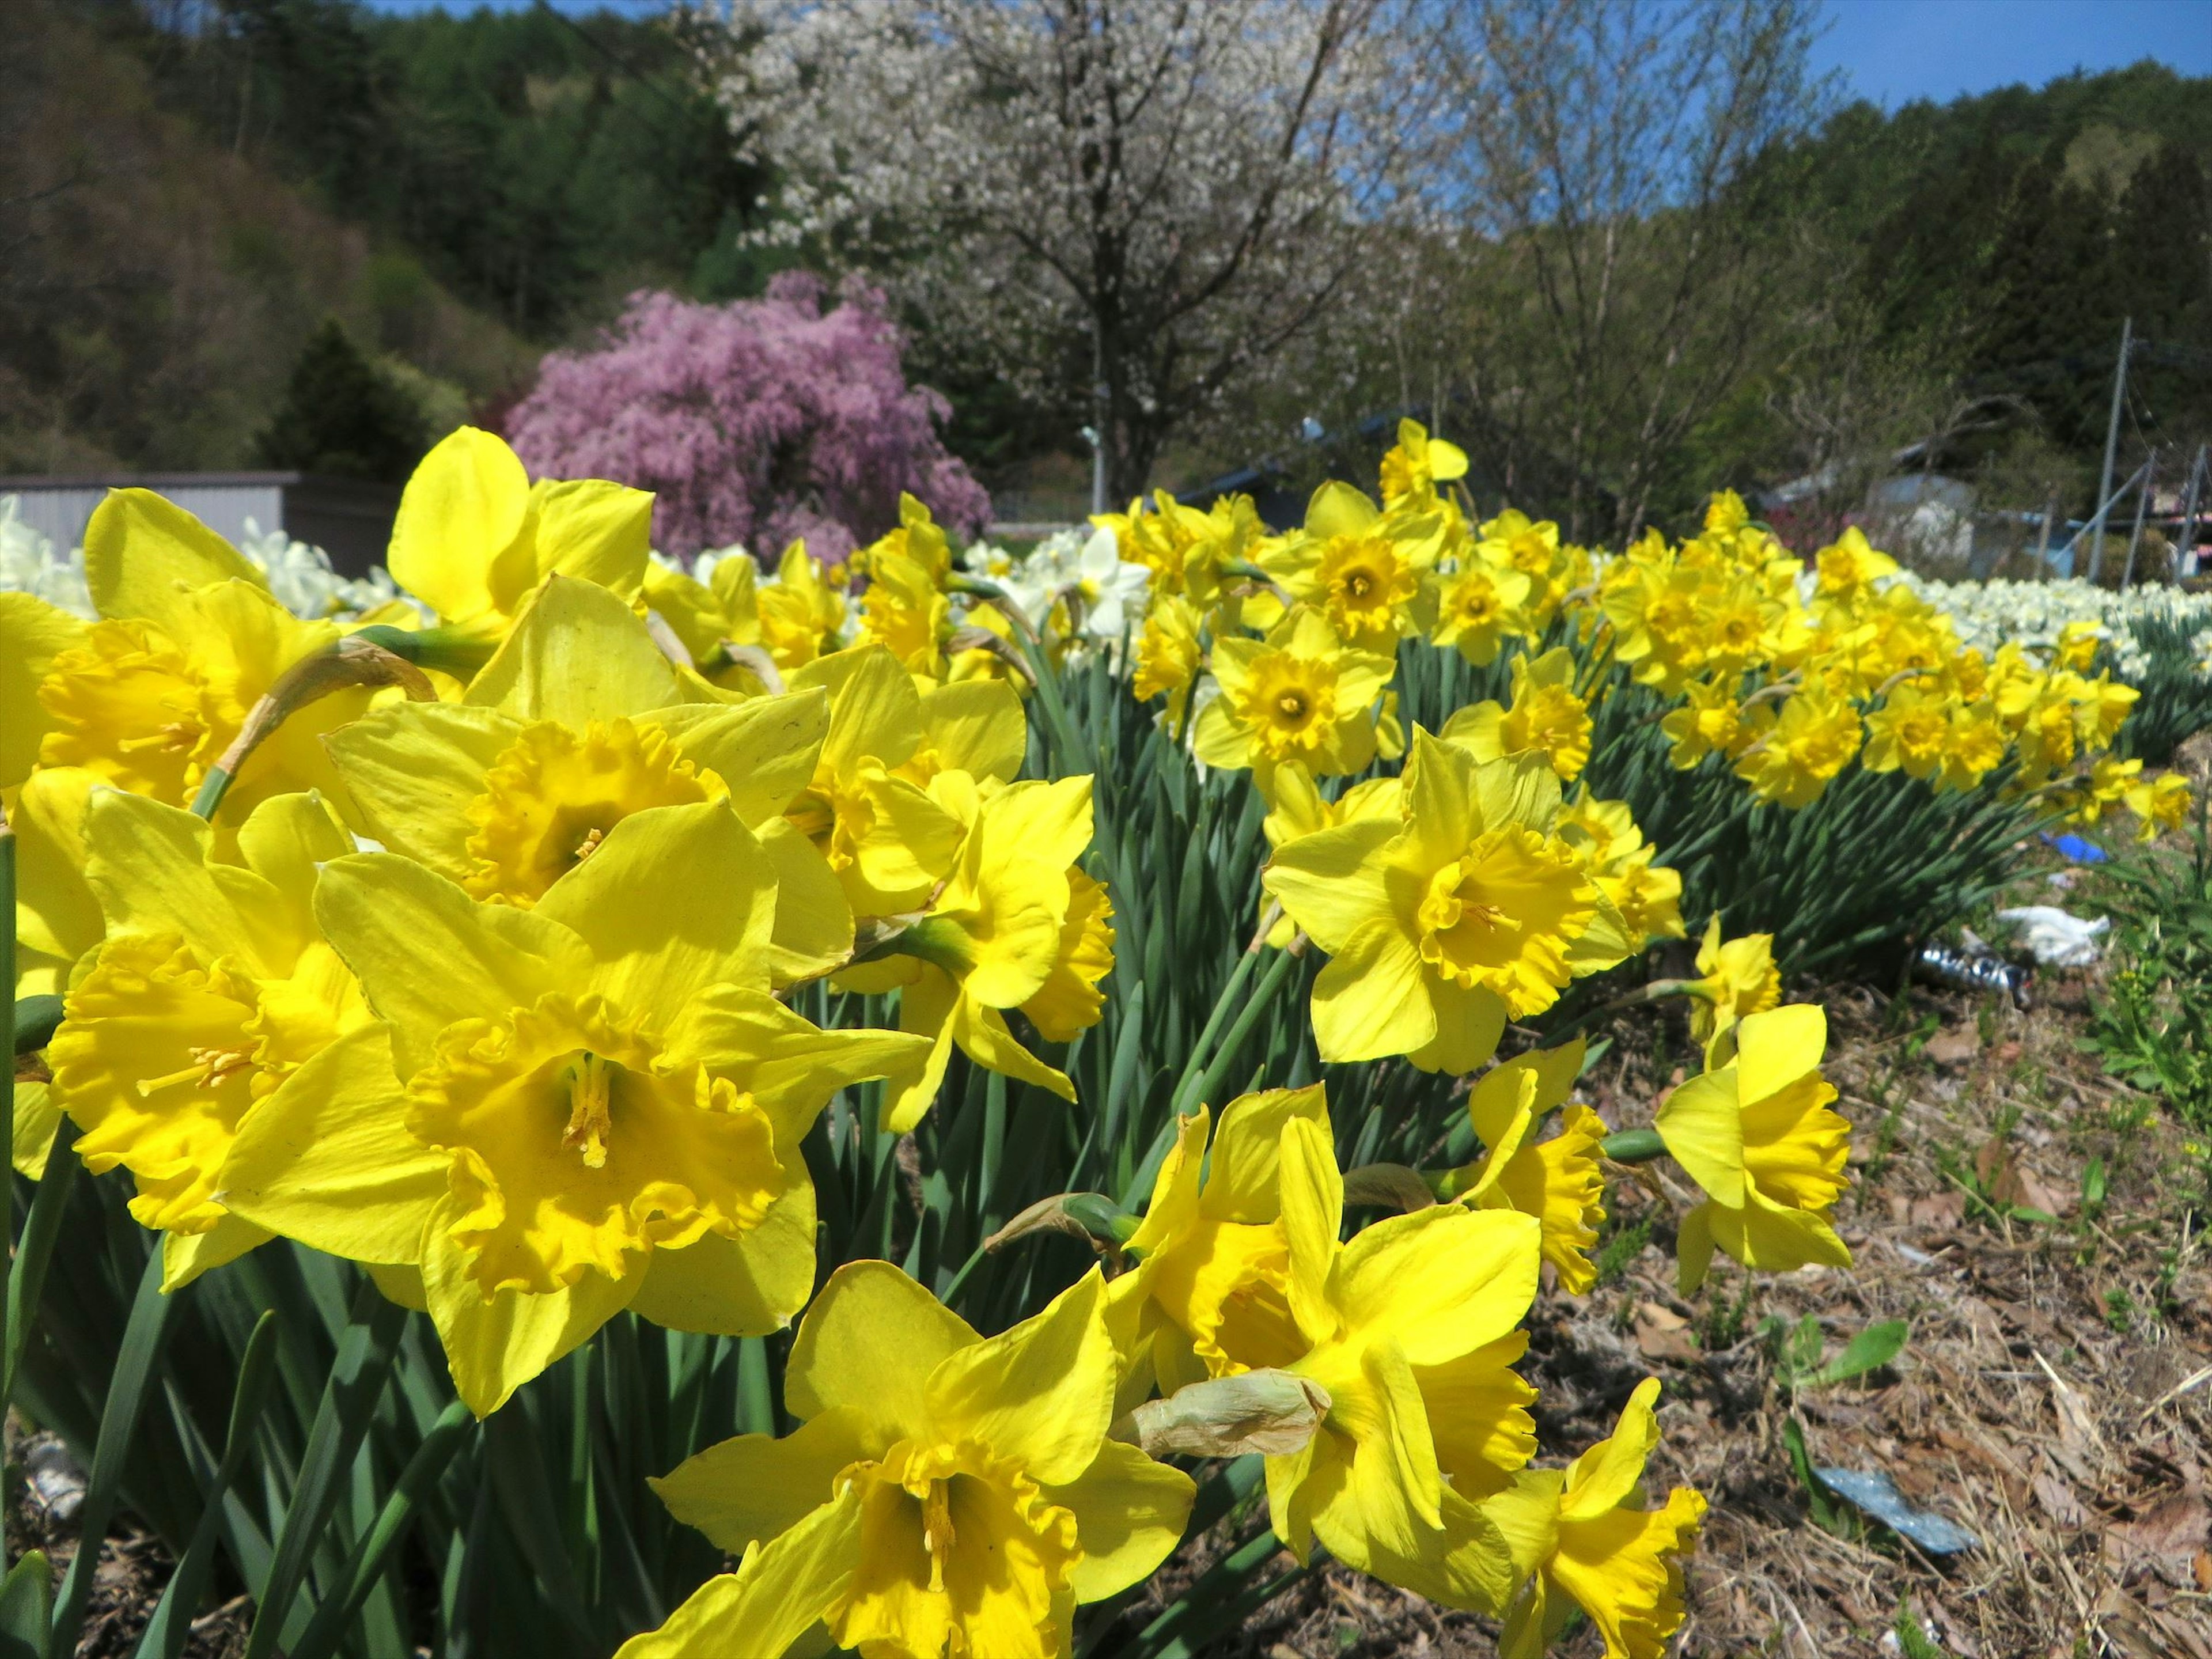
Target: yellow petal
(928, 1006)
(976, 727)
(1776, 1049)
(149, 865)
(874, 710)
(427, 955)
(578, 654)
(1312, 1198)
(1440, 1281)
(285, 840)
(751, 1488)
(1606, 1475)
(590, 529)
(760, 1611)
(1175, 1199)
(412, 769)
(1470, 1019)
(674, 900)
(1702, 1124)
(493, 1346)
(185, 1256)
(31, 1139)
(789, 1065)
(765, 750)
(750, 1286)
(1241, 1177)
(32, 634)
(985, 1037)
(327, 1159)
(1331, 882)
(1372, 1000)
(868, 1343)
(468, 503)
(143, 554)
(56, 912)
(1041, 1393)
(813, 931)
(1129, 1514)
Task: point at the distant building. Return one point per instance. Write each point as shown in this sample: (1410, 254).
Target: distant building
(350, 520)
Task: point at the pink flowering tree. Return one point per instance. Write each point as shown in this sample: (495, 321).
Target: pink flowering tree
(755, 421)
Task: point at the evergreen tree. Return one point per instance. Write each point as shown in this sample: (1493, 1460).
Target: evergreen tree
(342, 418)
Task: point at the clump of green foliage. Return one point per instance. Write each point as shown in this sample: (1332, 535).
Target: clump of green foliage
(2150, 1025)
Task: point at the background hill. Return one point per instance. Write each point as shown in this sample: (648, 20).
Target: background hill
(191, 191)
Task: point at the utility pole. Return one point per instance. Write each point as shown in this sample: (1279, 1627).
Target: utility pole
(2142, 507)
(2111, 448)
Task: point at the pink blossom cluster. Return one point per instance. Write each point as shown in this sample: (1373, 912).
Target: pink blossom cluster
(756, 422)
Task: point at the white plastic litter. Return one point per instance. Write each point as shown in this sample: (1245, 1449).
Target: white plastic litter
(2057, 938)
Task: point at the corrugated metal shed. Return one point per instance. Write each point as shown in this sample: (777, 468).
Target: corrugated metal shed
(350, 520)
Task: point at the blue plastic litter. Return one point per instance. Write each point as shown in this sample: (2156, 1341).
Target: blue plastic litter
(1874, 1492)
(2073, 848)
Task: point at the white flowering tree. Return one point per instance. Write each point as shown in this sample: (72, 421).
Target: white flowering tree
(1142, 204)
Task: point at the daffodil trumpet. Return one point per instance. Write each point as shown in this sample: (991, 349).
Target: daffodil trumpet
(350, 659)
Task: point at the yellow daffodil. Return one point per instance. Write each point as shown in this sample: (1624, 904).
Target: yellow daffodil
(1214, 1263)
(577, 722)
(1416, 464)
(1709, 723)
(906, 612)
(2078, 644)
(1301, 695)
(58, 922)
(986, 1501)
(1170, 654)
(1581, 1539)
(149, 698)
(1545, 718)
(1513, 541)
(1362, 569)
(1758, 1136)
(1468, 910)
(1016, 925)
(2160, 803)
(1974, 747)
(800, 612)
(588, 1105)
(1410, 1333)
(475, 538)
(1813, 739)
(211, 990)
(899, 775)
(1910, 732)
(1478, 610)
(1737, 977)
(1850, 566)
(917, 538)
(1557, 1180)
(1647, 894)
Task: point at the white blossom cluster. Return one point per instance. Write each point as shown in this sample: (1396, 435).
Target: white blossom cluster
(1081, 569)
(30, 564)
(1176, 187)
(2032, 614)
(300, 575)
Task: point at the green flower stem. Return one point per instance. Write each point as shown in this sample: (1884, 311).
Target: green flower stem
(1657, 991)
(1633, 1146)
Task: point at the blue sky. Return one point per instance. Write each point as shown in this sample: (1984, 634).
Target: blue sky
(1894, 51)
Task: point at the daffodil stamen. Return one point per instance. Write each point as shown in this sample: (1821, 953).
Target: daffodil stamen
(590, 1087)
(208, 1067)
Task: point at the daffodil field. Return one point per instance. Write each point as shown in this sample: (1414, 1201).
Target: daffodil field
(578, 1106)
